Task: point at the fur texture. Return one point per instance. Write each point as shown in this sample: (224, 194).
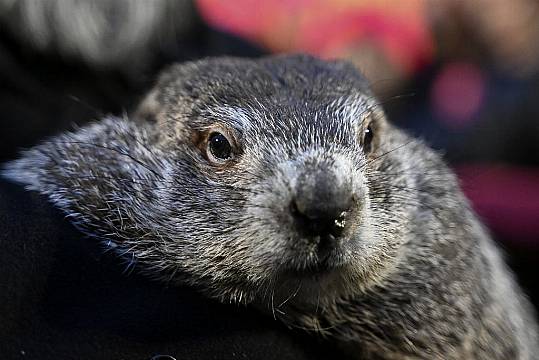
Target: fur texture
(414, 274)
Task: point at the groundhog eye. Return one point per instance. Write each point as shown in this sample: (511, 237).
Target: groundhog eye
(368, 135)
(219, 146)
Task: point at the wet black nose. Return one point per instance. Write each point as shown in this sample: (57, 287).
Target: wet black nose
(321, 205)
(330, 221)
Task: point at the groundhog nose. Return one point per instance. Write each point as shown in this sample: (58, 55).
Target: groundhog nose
(321, 207)
(326, 221)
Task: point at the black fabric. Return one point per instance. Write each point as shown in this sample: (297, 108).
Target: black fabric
(62, 297)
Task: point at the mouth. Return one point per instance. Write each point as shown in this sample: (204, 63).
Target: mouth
(325, 259)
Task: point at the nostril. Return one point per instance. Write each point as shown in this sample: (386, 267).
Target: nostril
(325, 221)
(294, 208)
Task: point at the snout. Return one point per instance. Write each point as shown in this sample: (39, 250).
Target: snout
(322, 203)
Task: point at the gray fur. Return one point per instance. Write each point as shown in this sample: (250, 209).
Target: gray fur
(415, 276)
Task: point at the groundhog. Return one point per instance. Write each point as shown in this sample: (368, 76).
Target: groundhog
(278, 182)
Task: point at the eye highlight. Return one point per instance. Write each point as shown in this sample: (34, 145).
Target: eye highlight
(368, 136)
(219, 148)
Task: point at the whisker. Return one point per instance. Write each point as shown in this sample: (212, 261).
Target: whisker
(390, 151)
(294, 294)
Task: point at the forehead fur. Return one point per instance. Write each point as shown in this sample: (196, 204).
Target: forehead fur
(276, 79)
(290, 96)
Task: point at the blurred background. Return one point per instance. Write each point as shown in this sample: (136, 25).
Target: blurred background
(463, 75)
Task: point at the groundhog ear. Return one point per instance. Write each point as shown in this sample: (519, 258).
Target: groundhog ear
(148, 110)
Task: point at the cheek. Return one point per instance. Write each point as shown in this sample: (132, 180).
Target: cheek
(267, 223)
(383, 233)
(374, 254)
(381, 223)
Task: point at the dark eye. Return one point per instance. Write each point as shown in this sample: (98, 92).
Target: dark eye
(368, 135)
(219, 146)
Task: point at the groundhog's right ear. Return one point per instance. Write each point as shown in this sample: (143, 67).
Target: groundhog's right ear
(148, 109)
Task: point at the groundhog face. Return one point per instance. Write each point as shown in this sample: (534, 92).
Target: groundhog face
(279, 182)
(262, 180)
